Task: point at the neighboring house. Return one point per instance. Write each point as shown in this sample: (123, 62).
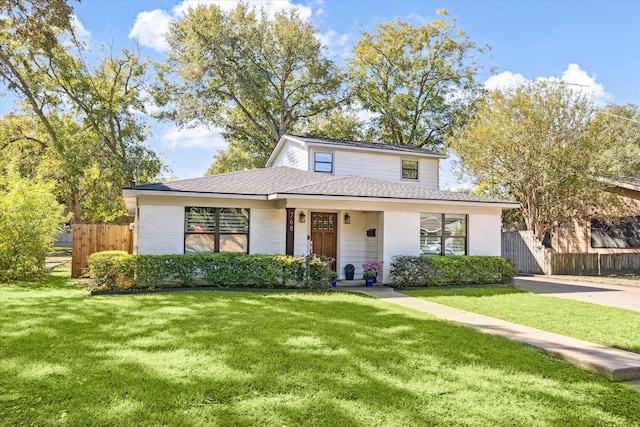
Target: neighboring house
(615, 235)
(352, 201)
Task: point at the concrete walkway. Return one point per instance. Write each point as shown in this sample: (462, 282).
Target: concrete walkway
(612, 363)
(597, 293)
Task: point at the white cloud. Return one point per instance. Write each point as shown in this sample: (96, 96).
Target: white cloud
(574, 76)
(150, 28)
(504, 80)
(199, 136)
(585, 83)
(82, 34)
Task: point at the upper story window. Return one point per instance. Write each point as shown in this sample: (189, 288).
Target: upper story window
(323, 162)
(409, 169)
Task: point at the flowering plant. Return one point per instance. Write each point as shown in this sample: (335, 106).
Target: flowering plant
(371, 266)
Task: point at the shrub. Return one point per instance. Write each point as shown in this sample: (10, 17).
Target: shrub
(30, 217)
(414, 271)
(112, 270)
(118, 270)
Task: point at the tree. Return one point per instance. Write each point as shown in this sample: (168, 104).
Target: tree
(619, 125)
(255, 77)
(338, 124)
(90, 125)
(532, 144)
(30, 217)
(417, 80)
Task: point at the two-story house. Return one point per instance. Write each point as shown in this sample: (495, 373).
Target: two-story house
(353, 201)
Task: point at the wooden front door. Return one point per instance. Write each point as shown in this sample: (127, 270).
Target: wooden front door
(324, 232)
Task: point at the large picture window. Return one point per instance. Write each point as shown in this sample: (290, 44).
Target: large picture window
(618, 233)
(216, 230)
(443, 234)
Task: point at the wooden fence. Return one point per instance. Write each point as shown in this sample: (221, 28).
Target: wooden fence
(528, 254)
(91, 238)
(530, 257)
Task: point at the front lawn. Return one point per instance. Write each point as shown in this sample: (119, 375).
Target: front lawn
(262, 358)
(610, 326)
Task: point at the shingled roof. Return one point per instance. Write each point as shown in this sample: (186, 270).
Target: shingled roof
(282, 182)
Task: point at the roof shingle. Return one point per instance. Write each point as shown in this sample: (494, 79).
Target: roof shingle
(288, 181)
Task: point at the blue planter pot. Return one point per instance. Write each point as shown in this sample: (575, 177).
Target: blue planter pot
(370, 283)
(334, 284)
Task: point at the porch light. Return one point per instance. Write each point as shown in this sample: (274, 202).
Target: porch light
(347, 218)
(302, 217)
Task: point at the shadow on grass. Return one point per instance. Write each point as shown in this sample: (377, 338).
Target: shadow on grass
(225, 358)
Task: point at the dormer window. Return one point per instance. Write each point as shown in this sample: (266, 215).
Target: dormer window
(323, 162)
(410, 169)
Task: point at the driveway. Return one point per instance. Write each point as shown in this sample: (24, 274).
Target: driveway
(597, 293)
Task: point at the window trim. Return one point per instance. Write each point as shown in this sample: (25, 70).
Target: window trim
(217, 232)
(402, 170)
(316, 162)
(443, 236)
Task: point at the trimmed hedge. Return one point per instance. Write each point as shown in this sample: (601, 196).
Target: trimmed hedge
(420, 271)
(115, 270)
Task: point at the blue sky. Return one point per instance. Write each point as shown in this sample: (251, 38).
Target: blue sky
(595, 44)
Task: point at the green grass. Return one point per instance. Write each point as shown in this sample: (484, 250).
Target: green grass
(274, 359)
(610, 326)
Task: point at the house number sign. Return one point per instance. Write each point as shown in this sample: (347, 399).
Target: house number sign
(291, 220)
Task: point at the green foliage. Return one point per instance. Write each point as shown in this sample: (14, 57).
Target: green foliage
(418, 80)
(81, 125)
(534, 144)
(417, 271)
(112, 269)
(618, 126)
(256, 76)
(119, 270)
(30, 217)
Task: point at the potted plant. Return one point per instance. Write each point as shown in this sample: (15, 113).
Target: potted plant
(368, 275)
(334, 279)
(371, 267)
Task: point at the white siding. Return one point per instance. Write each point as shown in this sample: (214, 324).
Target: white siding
(401, 237)
(384, 166)
(484, 232)
(267, 231)
(294, 155)
(161, 230)
(351, 243)
(301, 233)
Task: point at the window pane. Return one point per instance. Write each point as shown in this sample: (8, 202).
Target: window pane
(409, 169)
(199, 243)
(618, 233)
(234, 243)
(431, 224)
(323, 167)
(324, 157)
(233, 220)
(430, 245)
(200, 220)
(455, 225)
(455, 246)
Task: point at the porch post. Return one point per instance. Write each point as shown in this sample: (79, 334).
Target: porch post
(291, 224)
